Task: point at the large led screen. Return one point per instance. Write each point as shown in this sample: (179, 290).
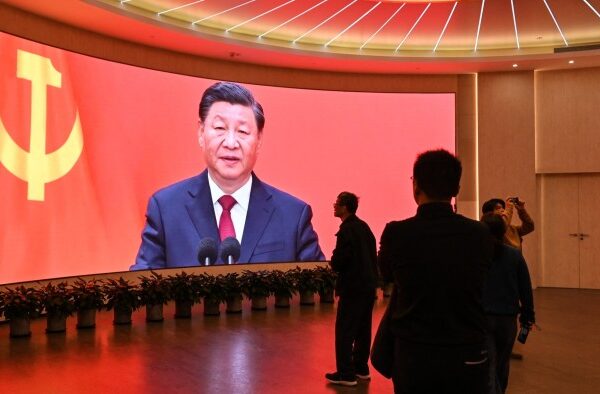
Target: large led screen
(85, 142)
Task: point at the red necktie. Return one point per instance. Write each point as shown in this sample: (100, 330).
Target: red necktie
(226, 228)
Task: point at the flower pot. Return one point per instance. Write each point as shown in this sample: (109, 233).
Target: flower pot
(122, 316)
(183, 309)
(282, 301)
(211, 307)
(307, 297)
(154, 312)
(56, 322)
(19, 327)
(259, 303)
(387, 289)
(86, 318)
(326, 296)
(234, 304)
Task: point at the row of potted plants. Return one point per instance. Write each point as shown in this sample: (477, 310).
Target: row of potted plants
(58, 301)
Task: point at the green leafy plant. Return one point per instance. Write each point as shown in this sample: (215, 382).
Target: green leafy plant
(21, 302)
(87, 294)
(212, 287)
(155, 289)
(282, 283)
(121, 294)
(255, 283)
(306, 280)
(231, 284)
(184, 287)
(57, 299)
(327, 278)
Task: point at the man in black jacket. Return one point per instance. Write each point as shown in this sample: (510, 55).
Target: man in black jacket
(355, 260)
(438, 261)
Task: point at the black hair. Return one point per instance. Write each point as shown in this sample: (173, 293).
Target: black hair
(496, 224)
(348, 200)
(437, 173)
(232, 93)
(490, 205)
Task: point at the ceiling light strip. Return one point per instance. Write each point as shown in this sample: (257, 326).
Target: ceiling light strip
(322, 23)
(479, 24)
(181, 6)
(382, 26)
(512, 6)
(445, 26)
(592, 7)
(292, 19)
(258, 16)
(413, 27)
(556, 23)
(353, 23)
(223, 12)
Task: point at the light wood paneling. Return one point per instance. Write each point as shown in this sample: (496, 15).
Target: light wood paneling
(506, 141)
(567, 120)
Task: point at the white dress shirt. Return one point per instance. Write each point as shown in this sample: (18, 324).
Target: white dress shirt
(239, 210)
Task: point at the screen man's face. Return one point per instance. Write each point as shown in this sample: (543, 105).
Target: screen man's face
(230, 140)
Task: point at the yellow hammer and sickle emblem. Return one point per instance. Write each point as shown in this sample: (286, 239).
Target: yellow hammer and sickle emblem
(36, 167)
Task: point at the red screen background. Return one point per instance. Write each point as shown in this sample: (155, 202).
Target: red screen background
(140, 134)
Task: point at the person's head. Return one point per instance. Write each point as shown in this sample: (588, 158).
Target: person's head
(494, 205)
(345, 205)
(436, 176)
(496, 224)
(230, 133)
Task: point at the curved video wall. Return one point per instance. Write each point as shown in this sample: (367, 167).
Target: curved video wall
(85, 142)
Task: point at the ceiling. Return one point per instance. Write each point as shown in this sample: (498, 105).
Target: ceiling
(366, 36)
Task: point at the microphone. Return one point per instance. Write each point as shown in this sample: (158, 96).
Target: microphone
(230, 250)
(207, 251)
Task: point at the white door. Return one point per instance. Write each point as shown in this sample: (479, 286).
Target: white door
(560, 220)
(570, 239)
(589, 226)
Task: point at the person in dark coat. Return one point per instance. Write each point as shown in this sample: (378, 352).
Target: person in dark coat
(438, 261)
(506, 294)
(355, 261)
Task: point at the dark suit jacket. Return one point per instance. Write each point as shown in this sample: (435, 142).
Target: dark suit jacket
(355, 258)
(278, 226)
(438, 261)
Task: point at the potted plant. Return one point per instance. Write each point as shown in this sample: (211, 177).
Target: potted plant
(282, 286)
(88, 297)
(327, 278)
(256, 285)
(58, 303)
(19, 306)
(233, 291)
(184, 289)
(123, 297)
(154, 293)
(212, 291)
(307, 283)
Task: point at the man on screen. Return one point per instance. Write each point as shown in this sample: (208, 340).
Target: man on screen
(227, 199)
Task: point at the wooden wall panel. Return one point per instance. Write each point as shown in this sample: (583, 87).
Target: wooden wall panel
(506, 142)
(568, 121)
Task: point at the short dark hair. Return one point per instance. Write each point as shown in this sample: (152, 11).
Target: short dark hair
(437, 173)
(348, 200)
(490, 205)
(232, 93)
(496, 225)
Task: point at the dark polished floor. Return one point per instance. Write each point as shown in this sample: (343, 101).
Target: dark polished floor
(277, 351)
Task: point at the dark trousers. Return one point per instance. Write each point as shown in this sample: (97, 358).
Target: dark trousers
(428, 369)
(502, 330)
(353, 333)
